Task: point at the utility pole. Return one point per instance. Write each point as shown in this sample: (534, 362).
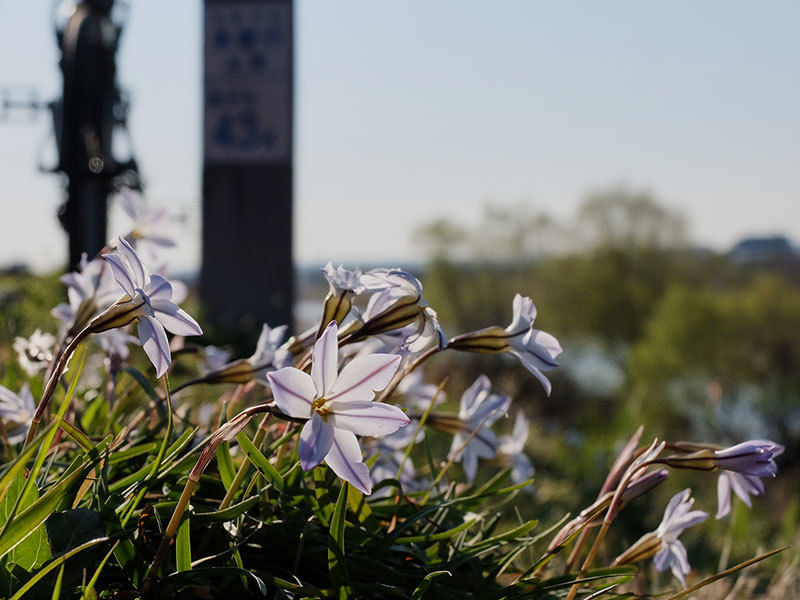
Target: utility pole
(85, 119)
(247, 271)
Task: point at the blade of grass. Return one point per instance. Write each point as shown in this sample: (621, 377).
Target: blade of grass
(56, 563)
(89, 592)
(727, 572)
(183, 546)
(336, 560)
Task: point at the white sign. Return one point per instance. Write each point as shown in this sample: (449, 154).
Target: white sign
(248, 82)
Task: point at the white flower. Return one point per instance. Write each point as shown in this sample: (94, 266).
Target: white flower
(677, 517)
(148, 225)
(17, 409)
(418, 394)
(396, 304)
(536, 350)
(338, 407)
(513, 447)
(391, 450)
(743, 467)
(269, 355)
(34, 353)
(215, 358)
(341, 280)
(148, 299)
(478, 410)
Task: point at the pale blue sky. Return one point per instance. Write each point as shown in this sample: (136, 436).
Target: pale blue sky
(418, 109)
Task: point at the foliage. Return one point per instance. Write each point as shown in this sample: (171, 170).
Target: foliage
(209, 480)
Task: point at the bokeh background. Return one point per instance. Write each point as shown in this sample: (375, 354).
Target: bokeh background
(630, 166)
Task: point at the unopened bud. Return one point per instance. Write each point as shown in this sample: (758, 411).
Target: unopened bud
(491, 340)
(645, 547)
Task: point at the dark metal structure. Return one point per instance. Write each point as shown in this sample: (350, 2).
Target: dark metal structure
(85, 119)
(247, 270)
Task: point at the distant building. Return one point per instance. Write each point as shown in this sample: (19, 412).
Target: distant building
(776, 248)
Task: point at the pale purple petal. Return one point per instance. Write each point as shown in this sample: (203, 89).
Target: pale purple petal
(175, 319)
(122, 274)
(723, 495)
(528, 361)
(316, 438)
(155, 343)
(471, 395)
(364, 375)
(140, 275)
(345, 460)
(293, 391)
(491, 409)
(368, 418)
(469, 461)
(324, 360)
(679, 562)
(158, 287)
(743, 486)
(523, 316)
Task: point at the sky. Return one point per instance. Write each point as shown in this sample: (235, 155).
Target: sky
(414, 110)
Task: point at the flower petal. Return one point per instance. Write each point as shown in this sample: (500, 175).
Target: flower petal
(175, 319)
(364, 375)
(489, 410)
(122, 274)
(316, 438)
(346, 461)
(155, 343)
(368, 418)
(138, 269)
(324, 360)
(293, 391)
(723, 495)
(158, 287)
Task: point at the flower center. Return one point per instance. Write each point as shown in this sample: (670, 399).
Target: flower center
(319, 407)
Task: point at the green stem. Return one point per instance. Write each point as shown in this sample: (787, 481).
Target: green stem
(52, 382)
(258, 438)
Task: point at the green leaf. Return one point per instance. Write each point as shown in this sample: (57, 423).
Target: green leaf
(442, 535)
(143, 382)
(336, 560)
(183, 546)
(49, 567)
(89, 592)
(33, 552)
(423, 585)
(72, 528)
(10, 476)
(27, 521)
(184, 577)
(226, 469)
(260, 461)
(227, 514)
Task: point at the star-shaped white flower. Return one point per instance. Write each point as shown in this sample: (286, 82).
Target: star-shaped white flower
(513, 447)
(18, 410)
(148, 299)
(536, 350)
(677, 517)
(148, 224)
(479, 409)
(338, 407)
(743, 466)
(34, 353)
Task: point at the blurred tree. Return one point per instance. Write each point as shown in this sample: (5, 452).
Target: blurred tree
(629, 220)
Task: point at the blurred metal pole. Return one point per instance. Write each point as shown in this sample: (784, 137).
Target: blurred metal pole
(88, 45)
(247, 271)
